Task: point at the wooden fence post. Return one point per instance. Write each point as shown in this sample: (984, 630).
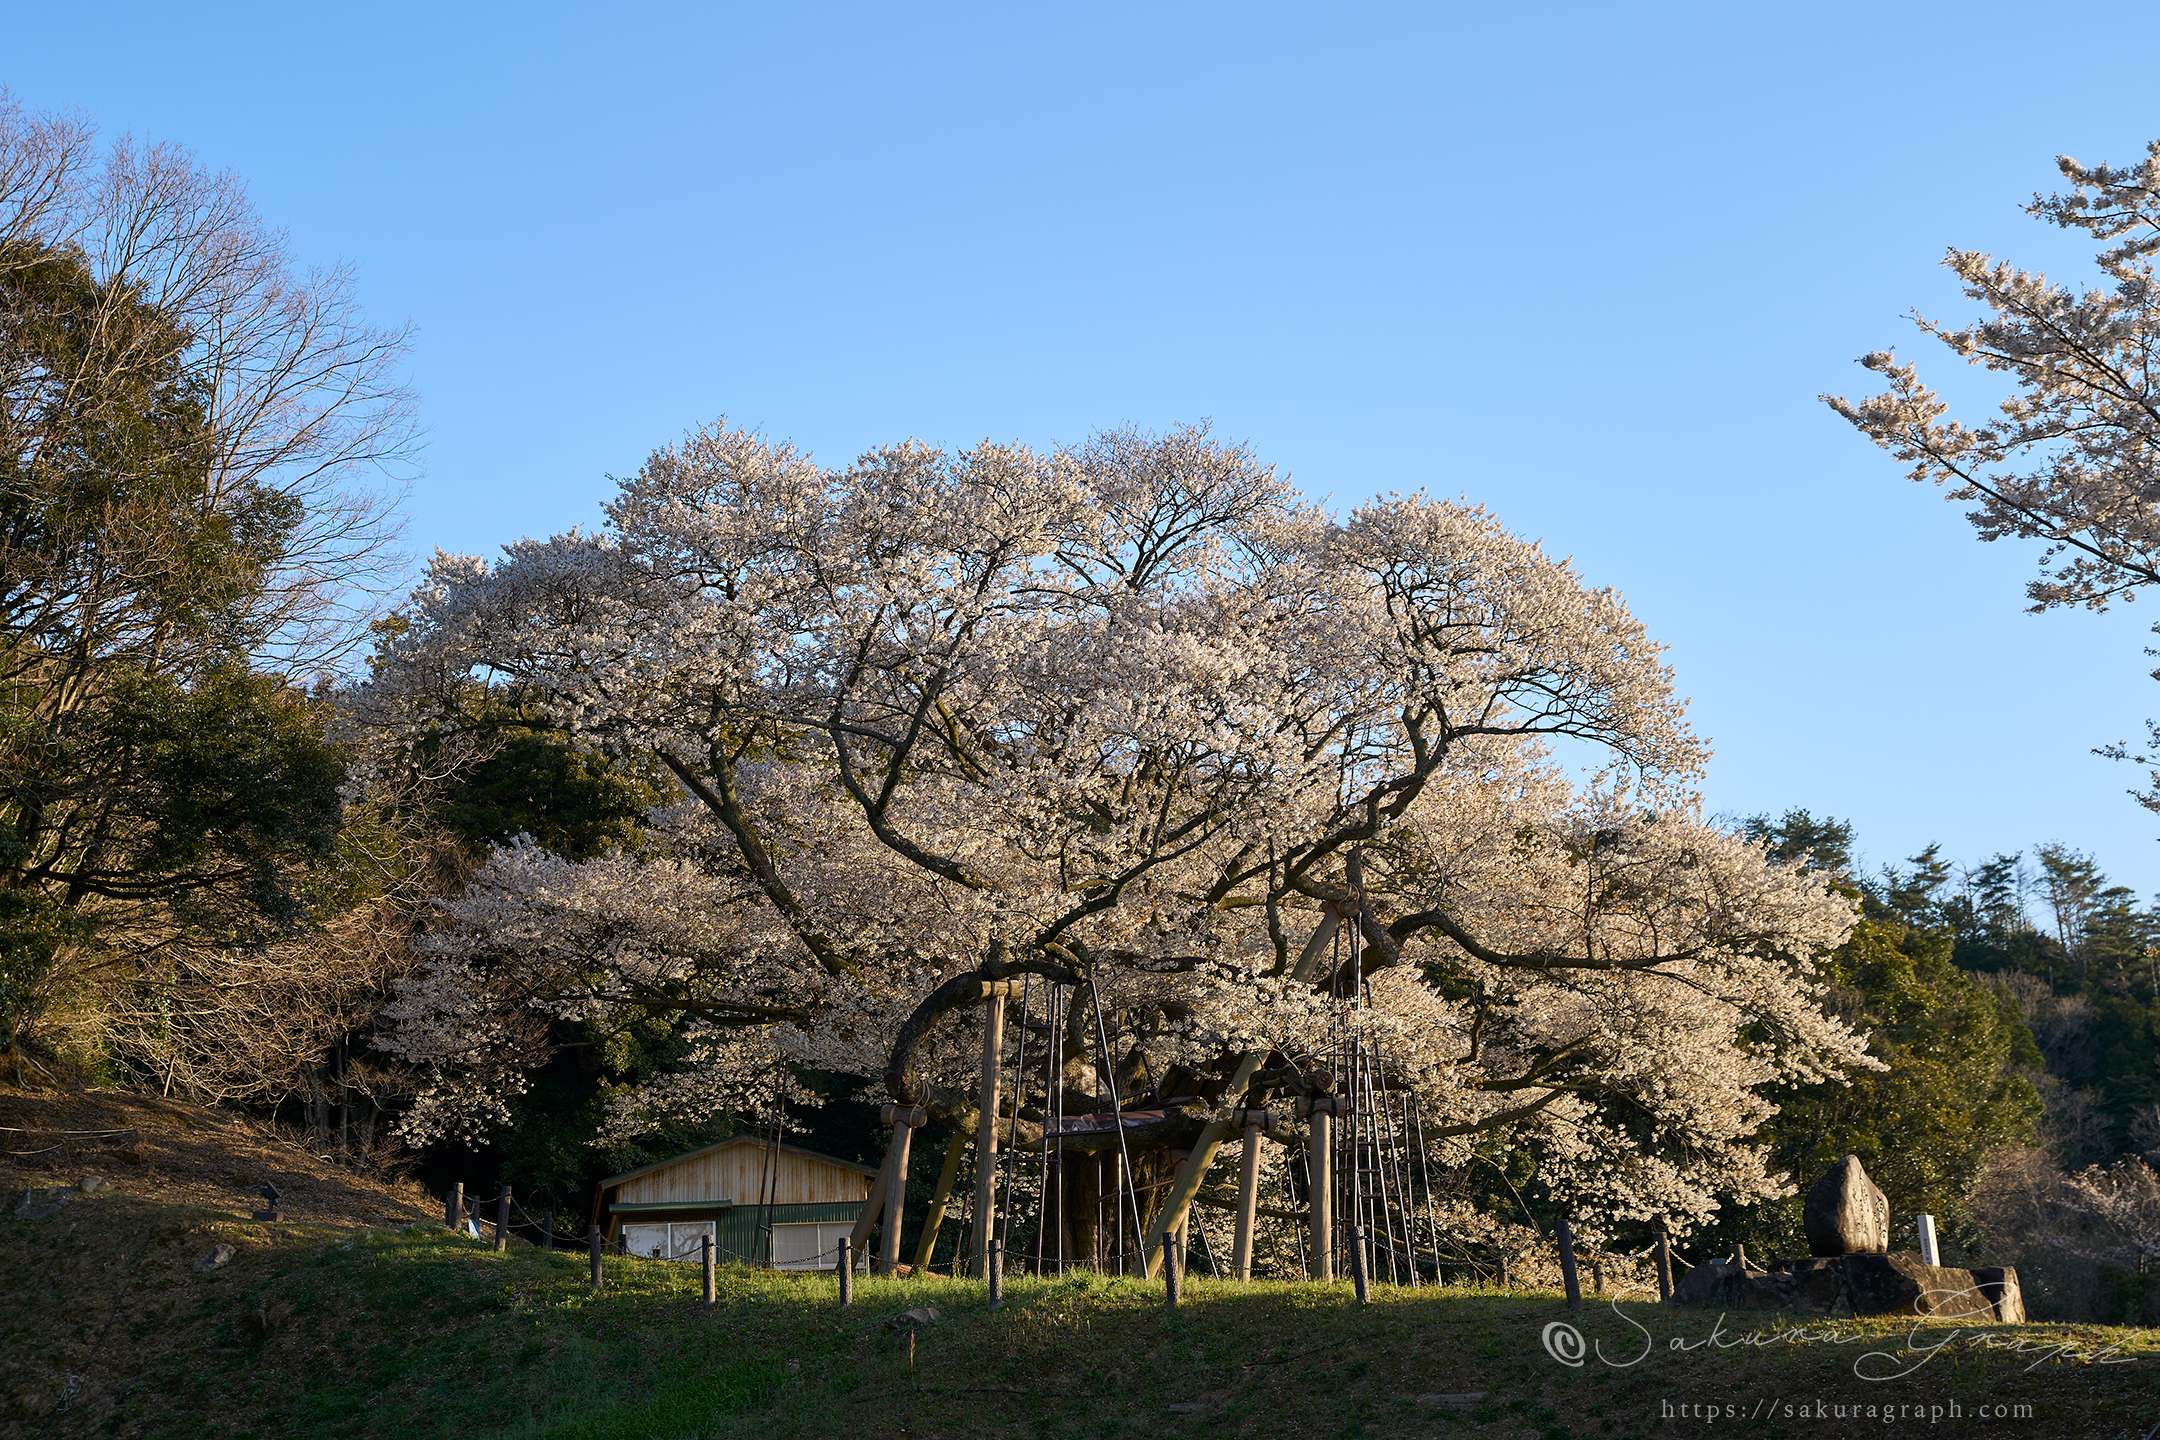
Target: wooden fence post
(847, 1273)
(1248, 1198)
(997, 1276)
(593, 1238)
(1568, 1278)
(1664, 1265)
(454, 1205)
(712, 1294)
(502, 1220)
(1358, 1267)
(1172, 1264)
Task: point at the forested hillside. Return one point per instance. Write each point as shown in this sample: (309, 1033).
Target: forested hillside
(2014, 1002)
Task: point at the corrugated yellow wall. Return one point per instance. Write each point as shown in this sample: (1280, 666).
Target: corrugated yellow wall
(733, 1172)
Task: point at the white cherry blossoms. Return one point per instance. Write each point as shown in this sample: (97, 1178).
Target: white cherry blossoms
(1126, 713)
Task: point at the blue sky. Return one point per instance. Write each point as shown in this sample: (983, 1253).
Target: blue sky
(1587, 265)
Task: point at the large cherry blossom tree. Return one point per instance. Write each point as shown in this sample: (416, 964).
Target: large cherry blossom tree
(1132, 721)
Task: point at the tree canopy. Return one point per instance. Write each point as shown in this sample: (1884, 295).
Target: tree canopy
(1131, 717)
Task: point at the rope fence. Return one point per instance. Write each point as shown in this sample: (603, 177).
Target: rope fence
(1374, 1256)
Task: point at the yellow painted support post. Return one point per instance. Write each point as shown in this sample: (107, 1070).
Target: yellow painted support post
(1320, 1203)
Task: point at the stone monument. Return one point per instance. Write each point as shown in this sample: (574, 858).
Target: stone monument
(1846, 1213)
(1852, 1272)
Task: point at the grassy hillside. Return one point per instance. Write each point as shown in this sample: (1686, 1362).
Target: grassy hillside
(341, 1327)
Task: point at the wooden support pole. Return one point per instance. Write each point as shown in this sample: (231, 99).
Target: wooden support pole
(454, 1205)
(904, 1119)
(997, 1276)
(1359, 1267)
(1320, 1175)
(895, 1200)
(1566, 1236)
(847, 1273)
(932, 1222)
(986, 1136)
(1664, 1265)
(1177, 1204)
(1320, 1167)
(1173, 1265)
(712, 1292)
(502, 1220)
(592, 1238)
(1248, 1195)
(873, 1205)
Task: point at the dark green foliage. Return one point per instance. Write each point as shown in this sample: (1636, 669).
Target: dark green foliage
(154, 787)
(1957, 1057)
(2086, 981)
(1925, 1126)
(1825, 844)
(114, 540)
(573, 801)
(236, 780)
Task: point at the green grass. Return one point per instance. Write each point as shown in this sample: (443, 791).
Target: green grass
(321, 1332)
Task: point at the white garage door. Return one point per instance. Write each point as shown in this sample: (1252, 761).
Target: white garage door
(680, 1240)
(809, 1245)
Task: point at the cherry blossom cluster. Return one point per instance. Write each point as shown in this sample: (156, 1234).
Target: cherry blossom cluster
(1133, 723)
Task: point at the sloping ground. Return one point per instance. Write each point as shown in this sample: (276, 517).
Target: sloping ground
(138, 1189)
(185, 1155)
(342, 1327)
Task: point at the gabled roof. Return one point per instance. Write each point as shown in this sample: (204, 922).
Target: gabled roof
(757, 1140)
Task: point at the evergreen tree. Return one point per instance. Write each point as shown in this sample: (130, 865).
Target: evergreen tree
(1950, 1093)
(182, 547)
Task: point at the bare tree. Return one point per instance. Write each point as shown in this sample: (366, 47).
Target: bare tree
(161, 347)
(200, 449)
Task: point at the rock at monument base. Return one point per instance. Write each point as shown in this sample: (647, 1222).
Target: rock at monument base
(1840, 1285)
(1902, 1285)
(1846, 1213)
(1706, 1284)
(2000, 1284)
(1817, 1290)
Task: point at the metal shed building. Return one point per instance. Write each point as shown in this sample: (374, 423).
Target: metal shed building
(732, 1191)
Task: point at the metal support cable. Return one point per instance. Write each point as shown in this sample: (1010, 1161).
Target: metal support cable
(1117, 1115)
(1004, 1214)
